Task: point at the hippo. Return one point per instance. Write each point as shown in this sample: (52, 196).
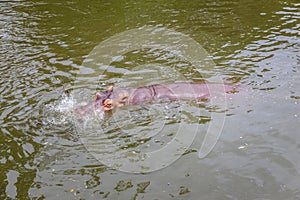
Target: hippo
(118, 97)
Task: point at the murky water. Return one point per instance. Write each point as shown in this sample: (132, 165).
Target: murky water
(43, 50)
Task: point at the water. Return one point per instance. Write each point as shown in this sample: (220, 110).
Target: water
(43, 46)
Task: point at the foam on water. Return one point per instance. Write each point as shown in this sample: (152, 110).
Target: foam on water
(60, 112)
(63, 112)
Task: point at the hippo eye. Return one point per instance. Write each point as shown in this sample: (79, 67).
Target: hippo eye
(124, 98)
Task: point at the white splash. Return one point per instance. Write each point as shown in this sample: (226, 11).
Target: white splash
(60, 112)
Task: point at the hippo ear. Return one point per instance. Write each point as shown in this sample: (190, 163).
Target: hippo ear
(110, 88)
(98, 96)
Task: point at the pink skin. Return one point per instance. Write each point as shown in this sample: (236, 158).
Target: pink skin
(113, 98)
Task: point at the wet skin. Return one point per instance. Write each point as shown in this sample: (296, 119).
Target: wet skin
(113, 98)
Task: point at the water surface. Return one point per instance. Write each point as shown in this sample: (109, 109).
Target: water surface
(42, 47)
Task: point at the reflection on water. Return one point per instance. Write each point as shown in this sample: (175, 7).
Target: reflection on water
(42, 46)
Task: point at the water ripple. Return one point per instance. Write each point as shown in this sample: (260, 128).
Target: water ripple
(42, 45)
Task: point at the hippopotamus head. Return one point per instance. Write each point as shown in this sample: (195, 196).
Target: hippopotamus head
(110, 99)
(103, 100)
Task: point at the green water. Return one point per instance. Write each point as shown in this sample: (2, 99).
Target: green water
(252, 43)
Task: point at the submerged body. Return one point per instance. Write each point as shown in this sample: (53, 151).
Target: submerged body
(112, 98)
